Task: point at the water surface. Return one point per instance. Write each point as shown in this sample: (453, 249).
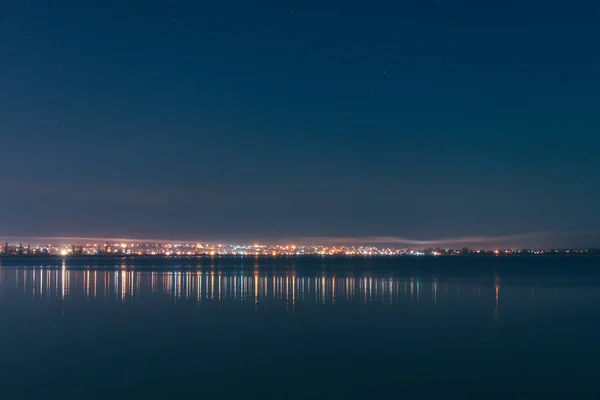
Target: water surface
(300, 328)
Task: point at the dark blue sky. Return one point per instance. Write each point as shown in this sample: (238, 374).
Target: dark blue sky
(259, 120)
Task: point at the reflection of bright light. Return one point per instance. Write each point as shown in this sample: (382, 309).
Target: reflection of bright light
(256, 288)
(293, 290)
(497, 293)
(123, 284)
(333, 290)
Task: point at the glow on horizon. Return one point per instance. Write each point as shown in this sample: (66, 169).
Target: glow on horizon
(330, 240)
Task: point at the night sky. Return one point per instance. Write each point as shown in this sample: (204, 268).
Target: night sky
(239, 120)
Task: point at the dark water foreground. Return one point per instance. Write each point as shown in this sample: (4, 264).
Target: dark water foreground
(306, 329)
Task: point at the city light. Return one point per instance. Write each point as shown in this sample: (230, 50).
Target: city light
(187, 250)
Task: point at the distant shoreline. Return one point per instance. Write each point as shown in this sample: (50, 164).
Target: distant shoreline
(268, 257)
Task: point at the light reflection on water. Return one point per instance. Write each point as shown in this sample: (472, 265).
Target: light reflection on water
(258, 287)
(220, 285)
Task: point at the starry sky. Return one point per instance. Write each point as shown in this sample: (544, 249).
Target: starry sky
(238, 120)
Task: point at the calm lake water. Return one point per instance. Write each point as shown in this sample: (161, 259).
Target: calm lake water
(300, 328)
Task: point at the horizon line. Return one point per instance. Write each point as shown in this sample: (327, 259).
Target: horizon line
(334, 240)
